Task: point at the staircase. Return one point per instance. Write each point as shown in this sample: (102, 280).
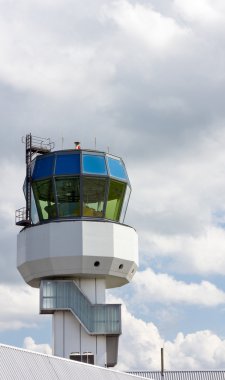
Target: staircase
(97, 319)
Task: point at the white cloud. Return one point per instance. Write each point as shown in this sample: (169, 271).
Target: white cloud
(29, 344)
(35, 56)
(144, 24)
(201, 254)
(178, 207)
(141, 342)
(165, 289)
(12, 176)
(201, 11)
(202, 349)
(19, 307)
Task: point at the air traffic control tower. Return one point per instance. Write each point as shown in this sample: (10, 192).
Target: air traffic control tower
(74, 245)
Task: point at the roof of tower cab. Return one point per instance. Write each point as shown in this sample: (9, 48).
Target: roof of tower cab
(79, 183)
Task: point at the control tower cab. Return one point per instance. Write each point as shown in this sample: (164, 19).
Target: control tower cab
(74, 244)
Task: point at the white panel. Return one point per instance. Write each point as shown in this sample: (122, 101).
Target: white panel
(72, 338)
(98, 239)
(94, 289)
(70, 241)
(125, 243)
(21, 248)
(101, 350)
(88, 288)
(66, 334)
(100, 290)
(57, 332)
(41, 249)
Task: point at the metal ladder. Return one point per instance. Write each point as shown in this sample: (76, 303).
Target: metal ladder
(33, 146)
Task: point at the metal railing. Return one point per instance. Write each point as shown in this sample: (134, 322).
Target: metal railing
(38, 143)
(20, 217)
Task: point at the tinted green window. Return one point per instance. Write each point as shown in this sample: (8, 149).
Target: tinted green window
(94, 190)
(125, 204)
(34, 212)
(115, 200)
(44, 198)
(68, 196)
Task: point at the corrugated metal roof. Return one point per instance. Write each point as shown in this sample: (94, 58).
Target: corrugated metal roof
(182, 375)
(19, 364)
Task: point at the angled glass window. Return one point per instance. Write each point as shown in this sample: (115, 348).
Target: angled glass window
(68, 196)
(67, 164)
(125, 204)
(116, 168)
(94, 191)
(43, 167)
(44, 199)
(115, 200)
(34, 212)
(94, 164)
(32, 166)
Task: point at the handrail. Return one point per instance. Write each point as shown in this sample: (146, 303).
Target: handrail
(39, 142)
(20, 217)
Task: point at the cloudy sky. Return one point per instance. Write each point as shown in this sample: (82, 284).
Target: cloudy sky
(146, 79)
